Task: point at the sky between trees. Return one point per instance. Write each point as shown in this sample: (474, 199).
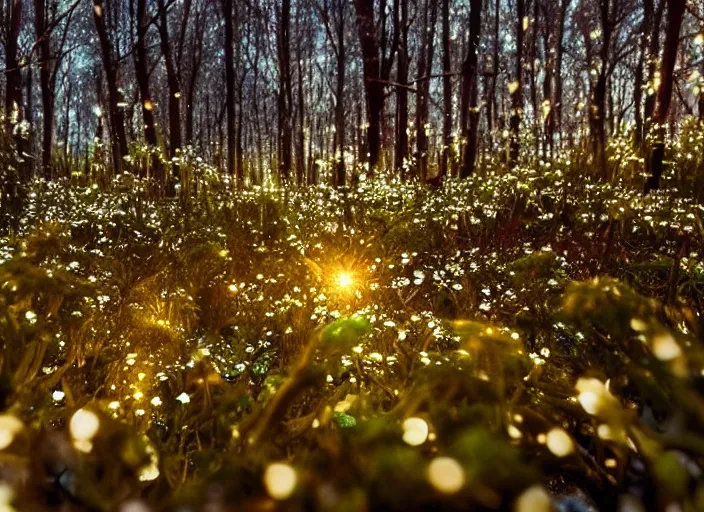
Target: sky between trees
(310, 90)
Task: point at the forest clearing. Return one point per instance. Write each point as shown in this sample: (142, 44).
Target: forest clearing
(351, 255)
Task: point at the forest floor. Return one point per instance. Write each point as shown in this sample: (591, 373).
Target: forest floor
(517, 341)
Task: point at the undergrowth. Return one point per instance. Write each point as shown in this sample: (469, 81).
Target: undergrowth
(518, 340)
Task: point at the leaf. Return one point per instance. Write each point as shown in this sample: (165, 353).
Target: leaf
(345, 332)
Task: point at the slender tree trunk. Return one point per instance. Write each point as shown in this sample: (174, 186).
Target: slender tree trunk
(652, 59)
(43, 36)
(374, 89)
(194, 70)
(646, 29)
(701, 98)
(285, 91)
(517, 90)
(425, 68)
(174, 85)
(548, 79)
(675, 15)
(401, 23)
(597, 112)
(446, 89)
(470, 109)
(13, 76)
(230, 85)
(533, 78)
(340, 175)
(300, 132)
(559, 52)
(12, 200)
(116, 120)
(142, 73)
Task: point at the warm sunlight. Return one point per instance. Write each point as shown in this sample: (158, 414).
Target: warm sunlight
(345, 280)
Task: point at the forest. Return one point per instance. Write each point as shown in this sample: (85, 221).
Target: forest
(351, 255)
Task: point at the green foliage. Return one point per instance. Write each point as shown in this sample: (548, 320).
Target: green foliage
(515, 332)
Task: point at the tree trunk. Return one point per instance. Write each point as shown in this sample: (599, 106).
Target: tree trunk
(425, 68)
(194, 70)
(470, 109)
(373, 88)
(340, 177)
(13, 76)
(652, 59)
(517, 90)
(174, 85)
(47, 93)
(230, 85)
(118, 137)
(401, 22)
(597, 112)
(285, 91)
(446, 89)
(675, 15)
(141, 64)
(646, 29)
(560, 50)
(300, 132)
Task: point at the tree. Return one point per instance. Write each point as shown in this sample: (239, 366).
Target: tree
(118, 136)
(516, 87)
(230, 84)
(285, 96)
(446, 89)
(141, 64)
(401, 24)
(376, 65)
(470, 109)
(334, 22)
(425, 69)
(675, 14)
(559, 54)
(174, 86)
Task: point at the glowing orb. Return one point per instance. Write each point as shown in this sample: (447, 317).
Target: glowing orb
(280, 480)
(415, 431)
(84, 425)
(9, 428)
(344, 280)
(446, 475)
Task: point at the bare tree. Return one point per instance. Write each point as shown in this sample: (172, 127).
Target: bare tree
(118, 136)
(446, 89)
(285, 95)
(141, 63)
(376, 63)
(516, 87)
(675, 14)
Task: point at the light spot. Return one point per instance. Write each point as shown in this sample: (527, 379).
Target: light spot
(446, 475)
(7, 494)
(559, 442)
(514, 432)
(84, 425)
(415, 431)
(134, 506)
(280, 480)
(665, 348)
(150, 471)
(638, 325)
(344, 280)
(183, 398)
(533, 499)
(9, 428)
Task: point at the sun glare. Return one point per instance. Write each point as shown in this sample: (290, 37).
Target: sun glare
(345, 280)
